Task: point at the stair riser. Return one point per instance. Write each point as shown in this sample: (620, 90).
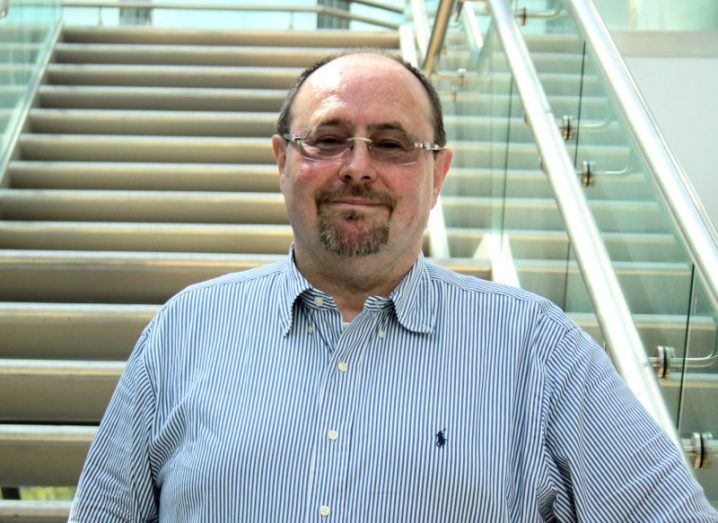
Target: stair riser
(146, 177)
(667, 335)
(553, 84)
(159, 99)
(476, 213)
(54, 399)
(654, 292)
(500, 104)
(80, 335)
(152, 76)
(189, 55)
(463, 243)
(153, 123)
(145, 207)
(106, 149)
(98, 284)
(534, 184)
(218, 37)
(48, 463)
(149, 239)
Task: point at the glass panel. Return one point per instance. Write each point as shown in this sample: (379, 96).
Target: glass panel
(697, 377)
(476, 105)
(268, 19)
(25, 40)
(551, 269)
(653, 266)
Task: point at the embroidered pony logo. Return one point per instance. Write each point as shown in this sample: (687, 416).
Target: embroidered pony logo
(440, 440)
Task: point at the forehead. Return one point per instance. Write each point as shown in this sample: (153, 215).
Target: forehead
(366, 90)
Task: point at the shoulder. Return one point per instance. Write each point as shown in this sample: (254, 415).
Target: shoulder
(484, 293)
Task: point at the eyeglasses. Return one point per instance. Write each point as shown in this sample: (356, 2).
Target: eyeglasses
(390, 146)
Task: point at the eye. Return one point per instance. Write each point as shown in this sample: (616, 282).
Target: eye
(391, 142)
(327, 140)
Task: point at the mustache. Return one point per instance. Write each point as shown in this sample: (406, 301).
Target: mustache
(355, 191)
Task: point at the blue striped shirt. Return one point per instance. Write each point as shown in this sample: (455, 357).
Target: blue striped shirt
(451, 400)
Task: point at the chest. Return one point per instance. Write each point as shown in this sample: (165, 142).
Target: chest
(376, 423)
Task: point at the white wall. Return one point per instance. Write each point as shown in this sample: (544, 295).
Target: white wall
(677, 74)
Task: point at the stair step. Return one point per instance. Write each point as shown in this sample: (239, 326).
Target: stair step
(142, 206)
(532, 183)
(144, 176)
(70, 330)
(500, 104)
(46, 455)
(167, 123)
(656, 329)
(112, 277)
(34, 511)
(542, 214)
(108, 236)
(568, 84)
(172, 76)
(219, 37)
(107, 148)
(160, 98)
(649, 287)
(56, 391)
(205, 55)
(131, 277)
(553, 245)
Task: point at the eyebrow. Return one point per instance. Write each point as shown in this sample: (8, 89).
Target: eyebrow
(374, 127)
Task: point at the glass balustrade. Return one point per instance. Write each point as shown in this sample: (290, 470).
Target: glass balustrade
(675, 317)
(26, 37)
(496, 187)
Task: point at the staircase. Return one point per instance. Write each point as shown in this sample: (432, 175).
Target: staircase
(145, 166)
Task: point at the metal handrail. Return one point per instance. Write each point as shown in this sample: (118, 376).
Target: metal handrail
(332, 11)
(438, 33)
(612, 311)
(683, 204)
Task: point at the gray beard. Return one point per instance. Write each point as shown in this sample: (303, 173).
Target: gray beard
(368, 242)
(359, 243)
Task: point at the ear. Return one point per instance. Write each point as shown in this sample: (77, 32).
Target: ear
(279, 149)
(442, 162)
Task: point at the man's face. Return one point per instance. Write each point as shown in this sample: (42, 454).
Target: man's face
(355, 205)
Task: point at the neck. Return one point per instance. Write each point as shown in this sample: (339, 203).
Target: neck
(350, 280)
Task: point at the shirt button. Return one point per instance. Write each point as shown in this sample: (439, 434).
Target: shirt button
(382, 334)
(332, 435)
(319, 301)
(324, 511)
(342, 366)
(310, 329)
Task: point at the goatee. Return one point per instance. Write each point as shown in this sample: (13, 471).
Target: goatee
(368, 237)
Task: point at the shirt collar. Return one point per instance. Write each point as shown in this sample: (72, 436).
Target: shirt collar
(413, 298)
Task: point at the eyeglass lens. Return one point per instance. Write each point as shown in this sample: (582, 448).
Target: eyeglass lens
(387, 145)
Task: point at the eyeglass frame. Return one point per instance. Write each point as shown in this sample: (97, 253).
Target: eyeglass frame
(297, 139)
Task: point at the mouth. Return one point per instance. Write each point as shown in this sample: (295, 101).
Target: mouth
(355, 202)
(355, 196)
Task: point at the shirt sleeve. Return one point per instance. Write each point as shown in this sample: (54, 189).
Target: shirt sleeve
(613, 463)
(116, 484)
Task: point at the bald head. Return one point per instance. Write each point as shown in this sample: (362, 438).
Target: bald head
(326, 68)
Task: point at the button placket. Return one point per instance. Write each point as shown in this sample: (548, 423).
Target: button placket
(337, 412)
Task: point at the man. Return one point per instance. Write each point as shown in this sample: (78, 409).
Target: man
(355, 381)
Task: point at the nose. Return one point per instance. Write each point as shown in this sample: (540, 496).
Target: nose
(357, 164)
